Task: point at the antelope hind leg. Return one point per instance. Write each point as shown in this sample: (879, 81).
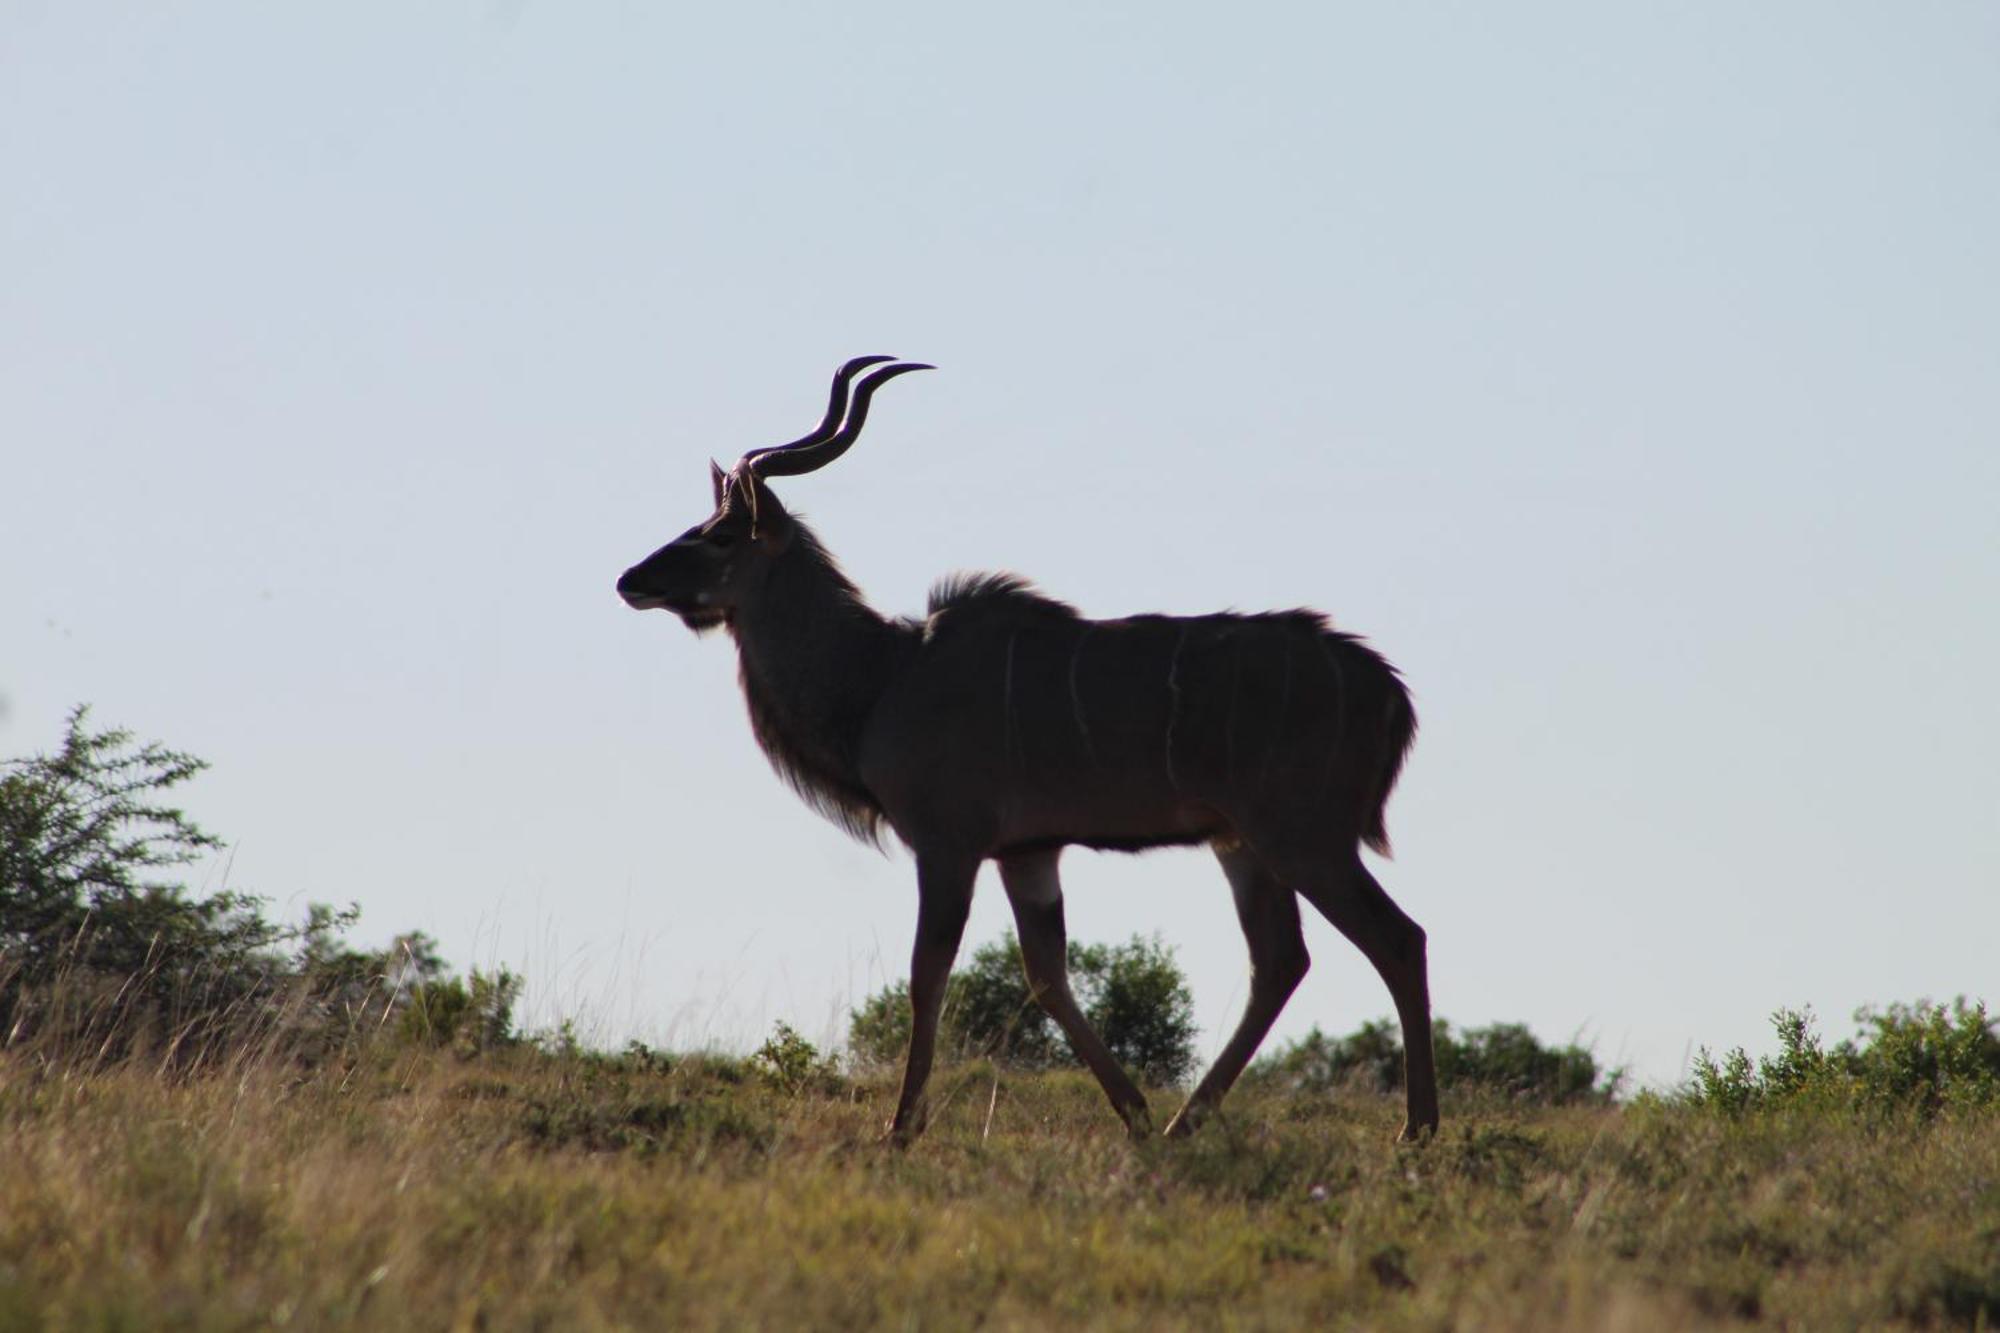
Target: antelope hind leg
(1269, 915)
(1348, 896)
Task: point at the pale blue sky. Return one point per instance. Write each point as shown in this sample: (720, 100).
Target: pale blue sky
(1626, 373)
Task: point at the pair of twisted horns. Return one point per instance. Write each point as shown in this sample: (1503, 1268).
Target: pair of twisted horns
(837, 430)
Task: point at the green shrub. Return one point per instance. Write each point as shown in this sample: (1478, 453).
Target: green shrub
(1927, 1055)
(1801, 1069)
(1505, 1057)
(469, 1014)
(1918, 1057)
(84, 835)
(1137, 999)
(1370, 1057)
(1508, 1058)
(1133, 994)
(103, 954)
(1730, 1086)
(993, 1013)
(790, 1063)
(879, 1031)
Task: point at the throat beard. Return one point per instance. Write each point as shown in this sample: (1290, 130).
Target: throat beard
(702, 619)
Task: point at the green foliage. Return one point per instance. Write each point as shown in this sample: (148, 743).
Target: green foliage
(102, 953)
(879, 1031)
(1505, 1057)
(1370, 1057)
(469, 1014)
(1730, 1086)
(82, 828)
(1918, 1058)
(1800, 1072)
(84, 834)
(790, 1063)
(1133, 994)
(1927, 1055)
(435, 1008)
(1137, 999)
(990, 1011)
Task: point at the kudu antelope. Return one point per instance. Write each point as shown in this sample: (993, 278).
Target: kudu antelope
(1005, 726)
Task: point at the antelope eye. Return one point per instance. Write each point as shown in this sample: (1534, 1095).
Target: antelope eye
(722, 538)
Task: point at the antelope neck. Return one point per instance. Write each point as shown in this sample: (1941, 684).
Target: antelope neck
(815, 656)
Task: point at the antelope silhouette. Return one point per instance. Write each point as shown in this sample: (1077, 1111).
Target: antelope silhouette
(1005, 726)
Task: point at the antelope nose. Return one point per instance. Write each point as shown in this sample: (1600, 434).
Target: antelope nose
(628, 588)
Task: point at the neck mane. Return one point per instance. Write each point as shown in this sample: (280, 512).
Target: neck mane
(814, 659)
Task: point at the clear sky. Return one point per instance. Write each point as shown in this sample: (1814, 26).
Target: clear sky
(1627, 373)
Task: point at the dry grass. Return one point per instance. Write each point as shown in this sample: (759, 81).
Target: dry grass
(532, 1191)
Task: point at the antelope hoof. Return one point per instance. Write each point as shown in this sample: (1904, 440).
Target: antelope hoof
(1185, 1122)
(1422, 1132)
(1138, 1120)
(901, 1133)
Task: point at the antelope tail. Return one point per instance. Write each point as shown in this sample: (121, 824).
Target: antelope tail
(1397, 731)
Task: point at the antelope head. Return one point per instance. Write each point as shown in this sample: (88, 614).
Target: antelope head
(704, 574)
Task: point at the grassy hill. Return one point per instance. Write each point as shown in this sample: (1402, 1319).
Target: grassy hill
(527, 1188)
(211, 1120)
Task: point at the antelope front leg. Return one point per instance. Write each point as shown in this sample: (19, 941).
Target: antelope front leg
(944, 897)
(1035, 890)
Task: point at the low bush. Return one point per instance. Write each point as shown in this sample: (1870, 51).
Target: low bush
(1134, 995)
(104, 955)
(1919, 1058)
(791, 1064)
(1505, 1057)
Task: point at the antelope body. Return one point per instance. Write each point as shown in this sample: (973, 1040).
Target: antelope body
(1005, 726)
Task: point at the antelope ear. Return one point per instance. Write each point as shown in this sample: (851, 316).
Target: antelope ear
(745, 482)
(770, 526)
(718, 481)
